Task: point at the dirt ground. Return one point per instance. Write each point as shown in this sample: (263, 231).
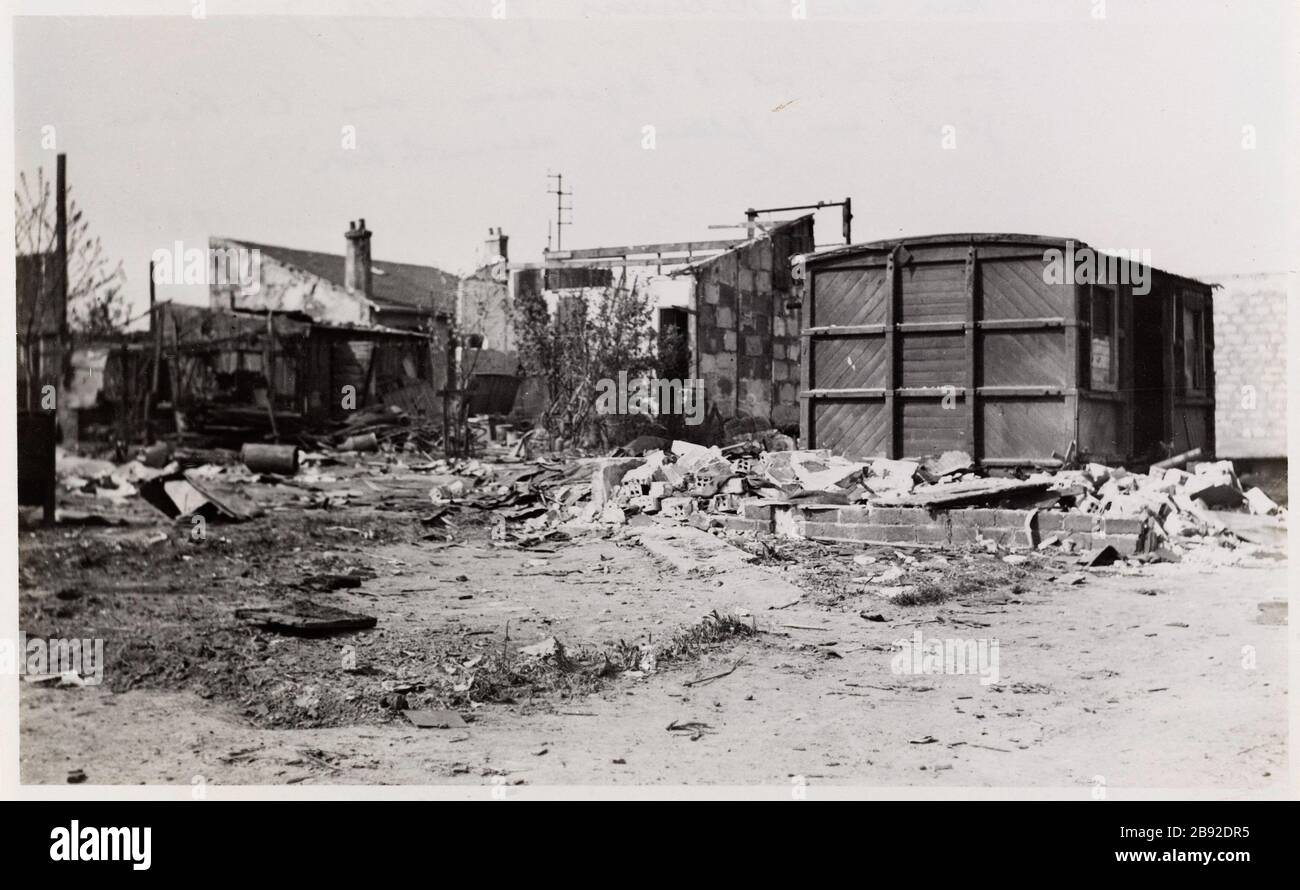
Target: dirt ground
(1161, 676)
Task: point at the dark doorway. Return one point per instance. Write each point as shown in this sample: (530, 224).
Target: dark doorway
(1150, 389)
(674, 344)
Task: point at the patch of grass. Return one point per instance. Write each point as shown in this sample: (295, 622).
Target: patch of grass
(693, 641)
(926, 594)
(931, 588)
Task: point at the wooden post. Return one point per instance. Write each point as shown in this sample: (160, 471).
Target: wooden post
(155, 330)
(891, 358)
(65, 418)
(174, 374)
(268, 366)
(972, 359)
(1073, 344)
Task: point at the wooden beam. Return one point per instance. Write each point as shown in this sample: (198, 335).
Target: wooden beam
(1073, 334)
(621, 263)
(807, 435)
(844, 330)
(627, 250)
(861, 393)
(891, 356)
(972, 360)
(1022, 324)
(921, 327)
(929, 327)
(1024, 391)
(1021, 462)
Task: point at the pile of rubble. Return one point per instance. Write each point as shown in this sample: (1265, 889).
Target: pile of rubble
(1176, 503)
(746, 487)
(760, 484)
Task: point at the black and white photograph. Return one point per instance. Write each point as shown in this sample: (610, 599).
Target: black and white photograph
(782, 400)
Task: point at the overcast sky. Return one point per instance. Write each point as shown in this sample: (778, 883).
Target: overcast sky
(1126, 131)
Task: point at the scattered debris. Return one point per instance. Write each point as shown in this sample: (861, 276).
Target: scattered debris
(700, 681)
(270, 458)
(305, 618)
(694, 728)
(180, 496)
(1101, 556)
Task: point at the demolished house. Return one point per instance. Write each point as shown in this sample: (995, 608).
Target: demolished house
(312, 338)
(956, 391)
(729, 303)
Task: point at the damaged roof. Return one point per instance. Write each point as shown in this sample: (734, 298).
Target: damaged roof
(392, 285)
(766, 231)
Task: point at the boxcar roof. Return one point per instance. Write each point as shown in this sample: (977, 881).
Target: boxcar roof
(966, 238)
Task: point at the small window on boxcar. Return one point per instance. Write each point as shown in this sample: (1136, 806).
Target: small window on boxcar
(1102, 358)
(1194, 348)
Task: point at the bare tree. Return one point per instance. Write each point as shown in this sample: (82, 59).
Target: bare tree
(96, 302)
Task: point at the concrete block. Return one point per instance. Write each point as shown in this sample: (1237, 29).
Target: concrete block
(605, 479)
(901, 516)
(865, 531)
(1127, 545)
(962, 534)
(1116, 525)
(677, 508)
(820, 529)
(1080, 522)
(1012, 518)
(935, 533)
(741, 524)
(961, 518)
(1047, 522)
(854, 514)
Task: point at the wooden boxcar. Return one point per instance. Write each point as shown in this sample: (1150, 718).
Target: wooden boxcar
(1007, 347)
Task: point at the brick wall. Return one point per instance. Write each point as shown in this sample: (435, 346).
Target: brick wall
(1250, 325)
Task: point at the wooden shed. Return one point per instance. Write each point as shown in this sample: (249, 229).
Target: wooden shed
(1013, 348)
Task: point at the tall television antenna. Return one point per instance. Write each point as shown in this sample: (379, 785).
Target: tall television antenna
(560, 210)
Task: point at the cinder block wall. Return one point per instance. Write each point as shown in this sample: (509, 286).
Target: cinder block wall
(1250, 324)
(876, 524)
(748, 341)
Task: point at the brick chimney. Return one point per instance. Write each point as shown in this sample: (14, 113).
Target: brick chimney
(497, 246)
(356, 262)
